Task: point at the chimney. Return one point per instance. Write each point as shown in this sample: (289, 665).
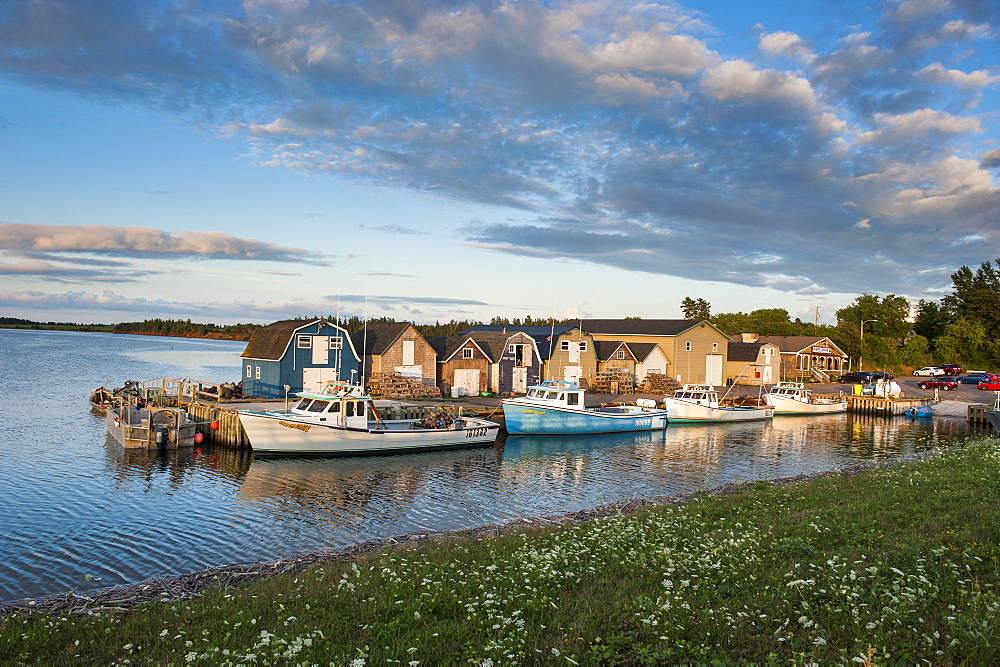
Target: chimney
(750, 337)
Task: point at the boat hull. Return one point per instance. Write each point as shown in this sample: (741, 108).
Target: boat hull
(681, 411)
(790, 406)
(524, 418)
(281, 433)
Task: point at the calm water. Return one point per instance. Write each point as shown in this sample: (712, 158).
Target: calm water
(80, 512)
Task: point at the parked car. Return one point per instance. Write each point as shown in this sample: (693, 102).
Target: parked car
(943, 383)
(856, 377)
(992, 385)
(930, 371)
(951, 369)
(881, 375)
(976, 377)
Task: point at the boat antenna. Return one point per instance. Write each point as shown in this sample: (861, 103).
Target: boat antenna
(552, 335)
(364, 344)
(340, 350)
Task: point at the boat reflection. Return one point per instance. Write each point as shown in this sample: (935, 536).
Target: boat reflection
(180, 465)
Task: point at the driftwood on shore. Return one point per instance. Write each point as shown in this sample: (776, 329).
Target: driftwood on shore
(124, 598)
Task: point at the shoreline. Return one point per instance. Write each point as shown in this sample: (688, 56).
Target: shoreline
(123, 598)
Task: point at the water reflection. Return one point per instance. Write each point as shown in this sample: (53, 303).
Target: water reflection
(83, 506)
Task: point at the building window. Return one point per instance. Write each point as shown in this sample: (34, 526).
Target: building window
(620, 354)
(564, 346)
(249, 371)
(512, 349)
(336, 343)
(582, 345)
(715, 347)
(687, 346)
(467, 353)
(305, 342)
(257, 373)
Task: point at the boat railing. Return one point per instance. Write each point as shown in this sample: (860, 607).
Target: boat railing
(179, 391)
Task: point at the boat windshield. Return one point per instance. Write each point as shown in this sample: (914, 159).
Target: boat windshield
(303, 403)
(317, 406)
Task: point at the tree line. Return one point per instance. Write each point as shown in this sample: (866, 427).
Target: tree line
(963, 327)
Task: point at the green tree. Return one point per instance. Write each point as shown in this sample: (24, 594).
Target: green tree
(885, 324)
(966, 342)
(696, 309)
(931, 320)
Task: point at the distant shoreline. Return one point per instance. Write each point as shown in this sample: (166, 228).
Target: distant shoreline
(108, 329)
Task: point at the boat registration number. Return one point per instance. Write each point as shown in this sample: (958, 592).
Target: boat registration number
(476, 432)
(644, 422)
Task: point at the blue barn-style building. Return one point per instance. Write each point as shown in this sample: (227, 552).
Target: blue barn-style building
(303, 354)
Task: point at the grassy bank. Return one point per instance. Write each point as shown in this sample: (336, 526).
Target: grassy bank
(895, 565)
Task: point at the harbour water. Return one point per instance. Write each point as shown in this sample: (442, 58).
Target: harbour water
(82, 513)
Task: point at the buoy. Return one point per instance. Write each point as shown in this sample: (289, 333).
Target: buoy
(198, 437)
(214, 425)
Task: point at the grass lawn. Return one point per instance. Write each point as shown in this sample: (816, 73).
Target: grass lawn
(893, 565)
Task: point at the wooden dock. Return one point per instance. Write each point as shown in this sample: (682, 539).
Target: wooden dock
(977, 413)
(888, 407)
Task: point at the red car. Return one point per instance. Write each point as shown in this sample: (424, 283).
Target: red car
(943, 383)
(992, 385)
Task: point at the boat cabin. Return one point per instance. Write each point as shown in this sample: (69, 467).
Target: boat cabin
(794, 390)
(557, 392)
(700, 394)
(339, 404)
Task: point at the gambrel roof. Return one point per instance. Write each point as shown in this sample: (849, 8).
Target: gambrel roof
(270, 342)
(379, 336)
(639, 327)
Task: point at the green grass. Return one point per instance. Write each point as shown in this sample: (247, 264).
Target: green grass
(896, 565)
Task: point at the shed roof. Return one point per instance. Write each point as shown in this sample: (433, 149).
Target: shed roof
(793, 344)
(541, 334)
(639, 327)
(379, 336)
(270, 342)
(743, 351)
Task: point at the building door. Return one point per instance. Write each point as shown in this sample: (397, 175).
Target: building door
(321, 350)
(713, 369)
(520, 379)
(572, 373)
(468, 379)
(408, 352)
(314, 379)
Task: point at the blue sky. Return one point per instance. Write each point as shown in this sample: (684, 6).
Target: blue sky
(429, 160)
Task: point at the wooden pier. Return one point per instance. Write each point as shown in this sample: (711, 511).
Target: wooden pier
(888, 407)
(977, 413)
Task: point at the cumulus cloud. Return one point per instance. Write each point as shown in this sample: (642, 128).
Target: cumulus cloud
(615, 131)
(144, 242)
(785, 44)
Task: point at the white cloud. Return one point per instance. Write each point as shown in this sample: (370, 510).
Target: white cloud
(975, 80)
(738, 79)
(785, 44)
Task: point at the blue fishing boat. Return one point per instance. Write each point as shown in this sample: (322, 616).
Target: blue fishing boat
(555, 407)
(922, 411)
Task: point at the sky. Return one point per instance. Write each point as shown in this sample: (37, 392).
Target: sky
(430, 160)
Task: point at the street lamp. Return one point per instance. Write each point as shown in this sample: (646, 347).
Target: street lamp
(861, 356)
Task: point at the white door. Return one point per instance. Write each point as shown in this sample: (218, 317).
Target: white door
(408, 352)
(321, 349)
(713, 369)
(572, 373)
(520, 379)
(574, 351)
(314, 379)
(768, 374)
(468, 379)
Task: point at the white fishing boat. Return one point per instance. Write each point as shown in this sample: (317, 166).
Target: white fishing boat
(700, 403)
(555, 407)
(792, 398)
(341, 420)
